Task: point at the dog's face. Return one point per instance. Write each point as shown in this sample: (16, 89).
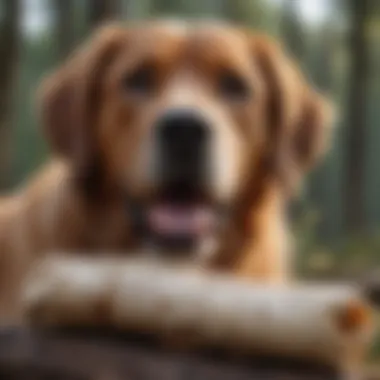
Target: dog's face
(184, 120)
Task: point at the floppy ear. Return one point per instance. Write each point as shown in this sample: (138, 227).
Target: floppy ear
(299, 119)
(69, 97)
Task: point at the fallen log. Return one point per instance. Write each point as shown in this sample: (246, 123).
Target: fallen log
(93, 354)
(328, 325)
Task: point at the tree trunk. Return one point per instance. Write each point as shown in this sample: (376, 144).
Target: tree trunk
(63, 11)
(292, 30)
(321, 180)
(103, 10)
(9, 43)
(357, 118)
(292, 38)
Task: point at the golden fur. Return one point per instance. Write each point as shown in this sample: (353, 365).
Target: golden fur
(76, 202)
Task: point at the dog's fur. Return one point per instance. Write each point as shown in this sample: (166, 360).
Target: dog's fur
(77, 202)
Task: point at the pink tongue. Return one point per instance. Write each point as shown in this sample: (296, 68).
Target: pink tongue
(172, 220)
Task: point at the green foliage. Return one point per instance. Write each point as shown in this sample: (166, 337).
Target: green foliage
(375, 354)
(352, 257)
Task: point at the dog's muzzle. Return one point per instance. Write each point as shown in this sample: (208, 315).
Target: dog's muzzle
(183, 139)
(182, 213)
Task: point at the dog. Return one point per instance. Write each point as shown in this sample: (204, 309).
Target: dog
(186, 140)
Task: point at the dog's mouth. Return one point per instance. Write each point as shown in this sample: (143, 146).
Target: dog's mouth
(173, 220)
(180, 221)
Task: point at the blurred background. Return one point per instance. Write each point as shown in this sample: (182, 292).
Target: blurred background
(337, 42)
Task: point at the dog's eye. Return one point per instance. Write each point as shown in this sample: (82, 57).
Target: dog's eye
(233, 87)
(141, 81)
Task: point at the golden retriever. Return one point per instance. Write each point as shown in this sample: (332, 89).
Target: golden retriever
(182, 139)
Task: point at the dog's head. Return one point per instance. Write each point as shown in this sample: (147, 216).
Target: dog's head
(184, 120)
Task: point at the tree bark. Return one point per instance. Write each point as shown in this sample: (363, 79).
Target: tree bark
(9, 44)
(357, 118)
(103, 10)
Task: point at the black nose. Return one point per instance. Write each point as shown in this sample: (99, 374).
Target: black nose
(185, 128)
(183, 137)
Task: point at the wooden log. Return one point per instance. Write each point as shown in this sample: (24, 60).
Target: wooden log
(329, 324)
(102, 355)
